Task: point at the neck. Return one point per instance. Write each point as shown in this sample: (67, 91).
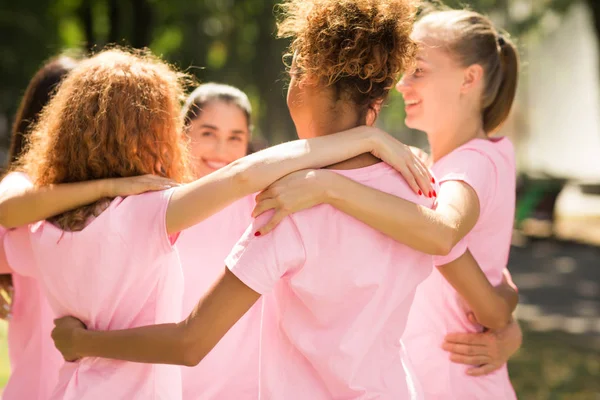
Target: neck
(323, 124)
(450, 137)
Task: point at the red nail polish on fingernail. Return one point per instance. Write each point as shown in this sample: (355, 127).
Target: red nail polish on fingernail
(420, 193)
(429, 194)
(432, 180)
(257, 233)
(434, 194)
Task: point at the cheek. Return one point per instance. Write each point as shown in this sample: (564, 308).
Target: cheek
(201, 146)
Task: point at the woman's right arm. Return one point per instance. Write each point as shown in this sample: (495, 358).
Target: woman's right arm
(196, 201)
(22, 203)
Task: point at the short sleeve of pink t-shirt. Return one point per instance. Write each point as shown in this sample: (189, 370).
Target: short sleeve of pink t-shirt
(260, 262)
(16, 181)
(477, 170)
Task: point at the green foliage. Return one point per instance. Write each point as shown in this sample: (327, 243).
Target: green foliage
(230, 41)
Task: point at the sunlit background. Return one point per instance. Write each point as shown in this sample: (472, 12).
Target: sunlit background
(555, 125)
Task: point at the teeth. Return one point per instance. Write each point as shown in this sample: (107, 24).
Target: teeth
(411, 102)
(215, 164)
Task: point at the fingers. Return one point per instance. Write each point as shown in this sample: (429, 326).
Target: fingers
(465, 350)
(469, 360)
(476, 339)
(423, 179)
(263, 206)
(409, 177)
(483, 369)
(262, 196)
(273, 222)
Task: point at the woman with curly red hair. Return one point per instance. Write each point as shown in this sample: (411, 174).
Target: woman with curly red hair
(336, 293)
(112, 262)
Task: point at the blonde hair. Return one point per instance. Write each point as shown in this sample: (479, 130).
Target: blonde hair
(472, 39)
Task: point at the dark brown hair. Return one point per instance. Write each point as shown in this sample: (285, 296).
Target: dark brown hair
(38, 93)
(473, 39)
(359, 47)
(209, 92)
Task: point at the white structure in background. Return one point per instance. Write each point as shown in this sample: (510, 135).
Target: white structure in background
(561, 93)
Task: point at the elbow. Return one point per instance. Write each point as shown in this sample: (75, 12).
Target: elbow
(495, 319)
(190, 353)
(444, 242)
(5, 220)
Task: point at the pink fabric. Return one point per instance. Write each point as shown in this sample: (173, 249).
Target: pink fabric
(120, 272)
(489, 168)
(34, 362)
(336, 299)
(230, 370)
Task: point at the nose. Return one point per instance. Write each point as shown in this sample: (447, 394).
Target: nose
(220, 148)
(402, 84)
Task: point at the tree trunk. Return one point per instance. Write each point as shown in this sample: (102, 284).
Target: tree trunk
(114, 20)
(142, 23)
(87, 19)
(595, 7)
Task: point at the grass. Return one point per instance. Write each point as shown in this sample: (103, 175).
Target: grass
(549, 366)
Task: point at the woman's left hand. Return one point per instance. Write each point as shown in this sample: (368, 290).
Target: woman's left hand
(486, 351)
(63, 334)
(400, 156)
(294, 192)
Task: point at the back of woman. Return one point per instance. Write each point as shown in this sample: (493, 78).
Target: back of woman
(336, 292)
(110, 263)
(120, 271)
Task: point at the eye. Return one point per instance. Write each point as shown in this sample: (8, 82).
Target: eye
(235, 138)
(418, 72)
(206, 134)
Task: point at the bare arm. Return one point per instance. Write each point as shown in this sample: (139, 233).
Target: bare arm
(185, 343)
(492, 306)
(430, 231)
(192, 203)
(25, 203)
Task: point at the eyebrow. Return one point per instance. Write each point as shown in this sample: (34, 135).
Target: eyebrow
(422, 60)
(235, 132)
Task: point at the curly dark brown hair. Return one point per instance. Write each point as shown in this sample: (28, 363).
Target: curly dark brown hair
(117, 114)
(358, 47)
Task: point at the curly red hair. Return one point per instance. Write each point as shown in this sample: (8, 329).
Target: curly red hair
(117, 114)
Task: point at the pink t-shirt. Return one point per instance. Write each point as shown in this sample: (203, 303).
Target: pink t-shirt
(336, 300)
(34, 361)
(121, 271)
(230, 370)
(489, 168)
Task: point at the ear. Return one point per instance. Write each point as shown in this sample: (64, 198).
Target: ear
(373, 112)
(473, 76)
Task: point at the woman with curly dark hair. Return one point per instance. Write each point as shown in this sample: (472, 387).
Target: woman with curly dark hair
(336, 293)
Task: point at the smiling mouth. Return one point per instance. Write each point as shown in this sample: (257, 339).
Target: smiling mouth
(214, 164)
(412, 102)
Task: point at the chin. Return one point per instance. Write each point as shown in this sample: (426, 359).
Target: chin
(412, 123)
